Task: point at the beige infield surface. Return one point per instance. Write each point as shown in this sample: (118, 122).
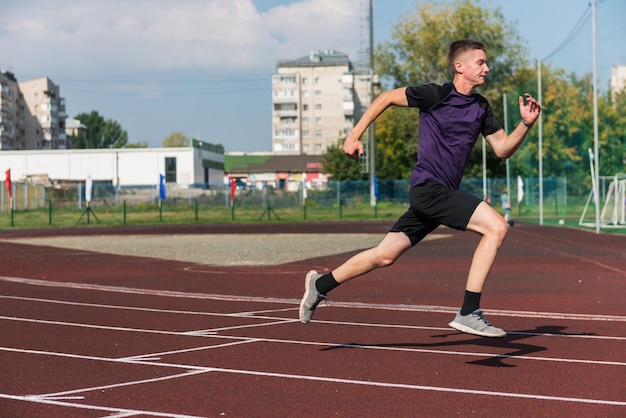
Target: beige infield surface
(218, 249)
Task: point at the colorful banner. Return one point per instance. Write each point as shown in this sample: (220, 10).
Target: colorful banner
(7, 182)
(233, 187)
(162, 188)
(88, 186)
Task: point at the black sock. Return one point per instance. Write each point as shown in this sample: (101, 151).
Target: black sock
(326, 283)
(471, 302)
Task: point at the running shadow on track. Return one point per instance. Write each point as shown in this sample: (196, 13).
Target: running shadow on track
(510, 342)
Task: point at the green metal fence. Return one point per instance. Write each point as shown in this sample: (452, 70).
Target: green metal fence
(563, 199)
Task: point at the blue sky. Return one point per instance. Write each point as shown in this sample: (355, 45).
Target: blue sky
(204, 67)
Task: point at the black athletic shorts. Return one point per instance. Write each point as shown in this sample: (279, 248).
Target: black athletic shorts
(432, 205)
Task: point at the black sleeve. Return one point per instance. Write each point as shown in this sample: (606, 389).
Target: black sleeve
(490, 123)
(427, 95)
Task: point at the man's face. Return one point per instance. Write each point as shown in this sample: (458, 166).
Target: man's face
(472, 66)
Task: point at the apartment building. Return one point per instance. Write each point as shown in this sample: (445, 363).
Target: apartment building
(33, 114)
(316, 100)
(45, 114)
(11, 113)
(618, 78)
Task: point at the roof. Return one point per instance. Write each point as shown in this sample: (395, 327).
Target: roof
(318, 59)
(245, 164)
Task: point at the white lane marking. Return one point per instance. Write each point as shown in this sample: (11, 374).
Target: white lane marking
(256, 299)
(551, 249)
(313, 343)
(62, 395)
(120, 412)
(198, 370)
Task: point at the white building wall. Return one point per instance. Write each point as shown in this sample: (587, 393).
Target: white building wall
(126, 167)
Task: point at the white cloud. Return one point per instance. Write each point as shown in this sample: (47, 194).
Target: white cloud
(87, 38)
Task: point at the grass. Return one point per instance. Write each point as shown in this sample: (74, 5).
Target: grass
(183, 213)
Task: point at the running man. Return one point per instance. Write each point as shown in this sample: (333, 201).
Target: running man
(451, 118)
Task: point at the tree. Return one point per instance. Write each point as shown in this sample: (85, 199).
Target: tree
(101, 133)
(176, 139)
(142, 144)
(417, 54)
(339, 166)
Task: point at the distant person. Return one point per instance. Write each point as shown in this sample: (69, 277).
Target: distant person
(451, 118)
(506, 206)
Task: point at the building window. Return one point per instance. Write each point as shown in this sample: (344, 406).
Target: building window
(305, 121)
(318, 106)
(318, 120)
(318, 93)
(170, 169)
(318, 133)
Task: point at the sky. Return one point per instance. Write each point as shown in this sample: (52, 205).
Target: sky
(204, 67)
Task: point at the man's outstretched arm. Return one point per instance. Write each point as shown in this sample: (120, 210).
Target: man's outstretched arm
(352, 146)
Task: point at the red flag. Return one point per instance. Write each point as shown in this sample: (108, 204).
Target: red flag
(7, 182)
(233, 187)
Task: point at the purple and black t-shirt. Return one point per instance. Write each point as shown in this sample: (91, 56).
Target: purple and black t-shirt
(449, 126)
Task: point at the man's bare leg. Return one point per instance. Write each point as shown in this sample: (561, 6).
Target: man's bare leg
(487, 222)
(384, 254)
(493, 228)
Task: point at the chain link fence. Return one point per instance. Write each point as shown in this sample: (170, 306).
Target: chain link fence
(563, 200)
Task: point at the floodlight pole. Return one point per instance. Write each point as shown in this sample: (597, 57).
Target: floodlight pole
(540, 145)
(372, 143)
(506, 129)
(596, 148)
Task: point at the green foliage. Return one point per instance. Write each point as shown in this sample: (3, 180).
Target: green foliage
(142, 144)
(101, 133)
(339, 166)
(176, 139)
(417, 54)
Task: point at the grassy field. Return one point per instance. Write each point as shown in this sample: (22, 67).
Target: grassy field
(151, 214)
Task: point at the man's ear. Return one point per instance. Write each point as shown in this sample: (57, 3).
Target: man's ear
(458, 66)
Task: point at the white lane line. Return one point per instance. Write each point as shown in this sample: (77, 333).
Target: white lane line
(120, 412)
(64, 394)
(157, 356)
(199, 370)
(256, 299)
(551, 249)
(279, 320)
(418, 327)
(230, 328)
(514, 345)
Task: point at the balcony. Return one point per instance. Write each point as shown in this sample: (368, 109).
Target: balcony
(348, 108)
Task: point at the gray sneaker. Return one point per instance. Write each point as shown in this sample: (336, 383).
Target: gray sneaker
(311, 297)
(475, 323)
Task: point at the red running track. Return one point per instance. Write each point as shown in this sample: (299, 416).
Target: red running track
(84, 334)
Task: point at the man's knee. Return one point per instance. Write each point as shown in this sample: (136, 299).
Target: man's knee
(385, 256)
(500, 229)
(385, 259)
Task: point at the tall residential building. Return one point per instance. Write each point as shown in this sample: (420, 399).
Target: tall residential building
(32, 114)
(44, 122)
(12, 111)
(315, 101)
(618, 78)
